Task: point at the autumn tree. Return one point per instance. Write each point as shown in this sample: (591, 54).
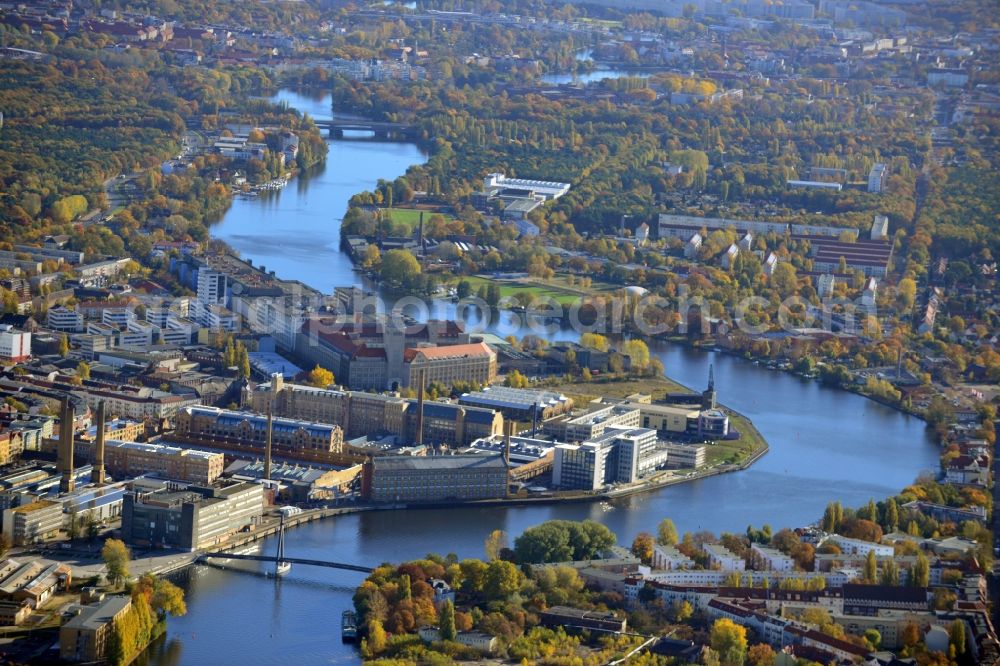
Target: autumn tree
(729, 640)
(376, 637)
(761, 654)
(642, 547)
(906, 294)
(681, 611)
(495, 543)
(638, 351)
(320, 377)
(116, 557)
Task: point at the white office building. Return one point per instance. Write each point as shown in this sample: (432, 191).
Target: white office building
(213, 286)
(876, 178)
(64, 319)
(15, 345)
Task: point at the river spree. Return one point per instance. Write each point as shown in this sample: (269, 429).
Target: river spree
(825, 445)
(296, 231)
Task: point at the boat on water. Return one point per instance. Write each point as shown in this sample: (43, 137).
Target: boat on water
(348, 626)
(281, 568)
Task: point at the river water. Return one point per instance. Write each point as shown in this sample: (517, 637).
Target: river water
(825, 445)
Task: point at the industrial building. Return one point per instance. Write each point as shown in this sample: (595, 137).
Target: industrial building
(298, 483)
(33, 523)
(373, 415)
(434, 478)
(381, 355)
(248, 429)
(191, 518)
(519, 404)
(129, 459)
(475, 363)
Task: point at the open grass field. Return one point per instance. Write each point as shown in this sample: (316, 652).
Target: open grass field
(557, 289)
(411, 216)
(616, 387)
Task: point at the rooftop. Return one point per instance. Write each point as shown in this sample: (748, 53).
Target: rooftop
(394, 463)
(96, 616)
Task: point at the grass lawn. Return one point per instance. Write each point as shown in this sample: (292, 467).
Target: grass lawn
(736, 451)
(558, 289)
(615, 387)
(411, 216)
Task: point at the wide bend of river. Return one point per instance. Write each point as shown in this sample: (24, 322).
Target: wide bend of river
(825, 445)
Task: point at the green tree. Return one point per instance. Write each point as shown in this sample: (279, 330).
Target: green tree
(956, 636)
(405, 589)
(242, 357)
(447, 621)
(871, 568)
(83, 370)
(874, 638)
(400, 269)
(666, 533)
(729, 640)
(891, 521)
(920, 573)
(116, 557)
(890, 573)
(502, 579)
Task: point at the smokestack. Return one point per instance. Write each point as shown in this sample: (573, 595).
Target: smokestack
(508, 428)
(97, 473)
(64, 459)
(267, 443)
(420, 239)
(420, 408)
(534, 419)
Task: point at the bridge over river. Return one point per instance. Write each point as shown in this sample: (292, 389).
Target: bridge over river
(291, 560)
(381, 130)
